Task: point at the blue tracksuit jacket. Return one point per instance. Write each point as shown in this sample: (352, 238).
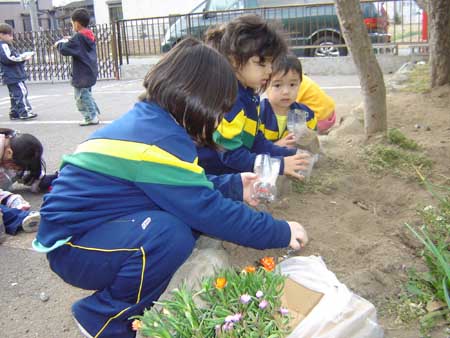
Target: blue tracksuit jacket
(81, 47)
(239, 135)
(146, 161)
(11, 64)
(269, 124)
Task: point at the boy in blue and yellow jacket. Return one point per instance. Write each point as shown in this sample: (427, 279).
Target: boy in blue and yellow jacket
(12, 67)
(281, 93)
(129, 204)
(81, 47)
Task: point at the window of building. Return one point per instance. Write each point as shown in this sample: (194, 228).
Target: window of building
(115, 10)
(11, 23)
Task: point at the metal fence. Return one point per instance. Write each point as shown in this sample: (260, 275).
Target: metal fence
(49, 65)
(311, 29)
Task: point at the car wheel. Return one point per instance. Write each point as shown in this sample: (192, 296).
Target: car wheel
(326, 47)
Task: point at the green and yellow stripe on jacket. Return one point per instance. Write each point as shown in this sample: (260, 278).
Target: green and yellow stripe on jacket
(269, 124)
(137, 162)
(239, 126)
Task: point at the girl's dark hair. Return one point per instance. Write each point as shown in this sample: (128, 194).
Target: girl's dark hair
(195, 84)
(27, 153)
(81, 16)
(245, 37)
(287, 63)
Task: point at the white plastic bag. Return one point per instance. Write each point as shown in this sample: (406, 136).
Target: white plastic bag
(340, 313)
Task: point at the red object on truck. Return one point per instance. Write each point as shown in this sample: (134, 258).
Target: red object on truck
(424, 26)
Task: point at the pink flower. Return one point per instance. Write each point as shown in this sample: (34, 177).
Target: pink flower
(263, 304)
(227, 326)
(259, 294)
(233, 318)
(245, 298)
(284, 311)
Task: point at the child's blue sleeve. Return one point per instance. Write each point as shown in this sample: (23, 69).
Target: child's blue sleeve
(240, 159)
(264, 146)
(7, 57)
(208, 211)
(70, 48)
(229, 185)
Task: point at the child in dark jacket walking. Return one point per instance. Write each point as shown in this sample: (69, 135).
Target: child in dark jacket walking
(81, 47)
(14, 76)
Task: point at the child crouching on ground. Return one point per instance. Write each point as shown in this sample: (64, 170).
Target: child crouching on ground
(281, 93)
(251, 45)
(129, 204)
(19, 153)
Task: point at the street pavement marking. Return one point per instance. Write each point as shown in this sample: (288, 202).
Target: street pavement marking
(53, 122)
(342, 87)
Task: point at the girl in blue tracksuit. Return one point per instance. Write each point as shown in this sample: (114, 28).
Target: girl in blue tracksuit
(128, 205)
(250, 45)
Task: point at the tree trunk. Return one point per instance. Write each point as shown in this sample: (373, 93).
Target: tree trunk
(423, 4)
(439, 19)
(369, 71)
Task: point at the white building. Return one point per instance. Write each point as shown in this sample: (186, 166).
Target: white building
(107, 10)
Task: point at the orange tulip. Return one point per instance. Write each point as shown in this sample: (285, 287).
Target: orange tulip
(220, 283)
(136, 325)
(268, 263)
(250, 269)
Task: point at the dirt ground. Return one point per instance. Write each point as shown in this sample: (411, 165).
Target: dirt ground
(355, 220)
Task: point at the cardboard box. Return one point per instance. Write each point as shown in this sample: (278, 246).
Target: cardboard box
(299, 300)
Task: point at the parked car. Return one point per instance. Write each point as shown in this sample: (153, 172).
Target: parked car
(313, 23)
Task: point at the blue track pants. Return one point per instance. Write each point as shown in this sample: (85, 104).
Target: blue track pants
(128, 262)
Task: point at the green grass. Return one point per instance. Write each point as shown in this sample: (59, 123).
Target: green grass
(392, 158)
(420, 80)
(432, 285)
(396, 137)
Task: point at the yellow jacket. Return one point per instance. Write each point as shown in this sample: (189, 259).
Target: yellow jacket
(315, 98)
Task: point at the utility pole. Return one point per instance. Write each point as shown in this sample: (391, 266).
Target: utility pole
(32, 7)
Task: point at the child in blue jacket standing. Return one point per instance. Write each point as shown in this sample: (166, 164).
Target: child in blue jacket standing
(250, 45)
(81, 47)
(128, 205)
(14, 76)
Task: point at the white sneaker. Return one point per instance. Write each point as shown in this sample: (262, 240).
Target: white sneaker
(82, 329)
(31, 222)
(89, 122)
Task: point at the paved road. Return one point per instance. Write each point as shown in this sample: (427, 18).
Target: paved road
(24, 274)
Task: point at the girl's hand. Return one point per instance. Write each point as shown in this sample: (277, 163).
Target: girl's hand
(294, 163)
(287, 141)
(299, 237)
(248, 180)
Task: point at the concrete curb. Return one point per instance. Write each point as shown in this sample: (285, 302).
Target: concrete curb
(137, 69)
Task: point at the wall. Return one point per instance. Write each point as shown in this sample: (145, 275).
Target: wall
(12, 10)
(140, 9)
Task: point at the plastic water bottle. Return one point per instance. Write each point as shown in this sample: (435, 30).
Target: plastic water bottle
(296, 122)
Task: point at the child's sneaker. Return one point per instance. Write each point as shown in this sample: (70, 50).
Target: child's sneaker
(31, 222)
(89, 122)
(27, 116)
(2, 229)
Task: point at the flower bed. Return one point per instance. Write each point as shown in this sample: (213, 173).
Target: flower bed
(234, 303)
